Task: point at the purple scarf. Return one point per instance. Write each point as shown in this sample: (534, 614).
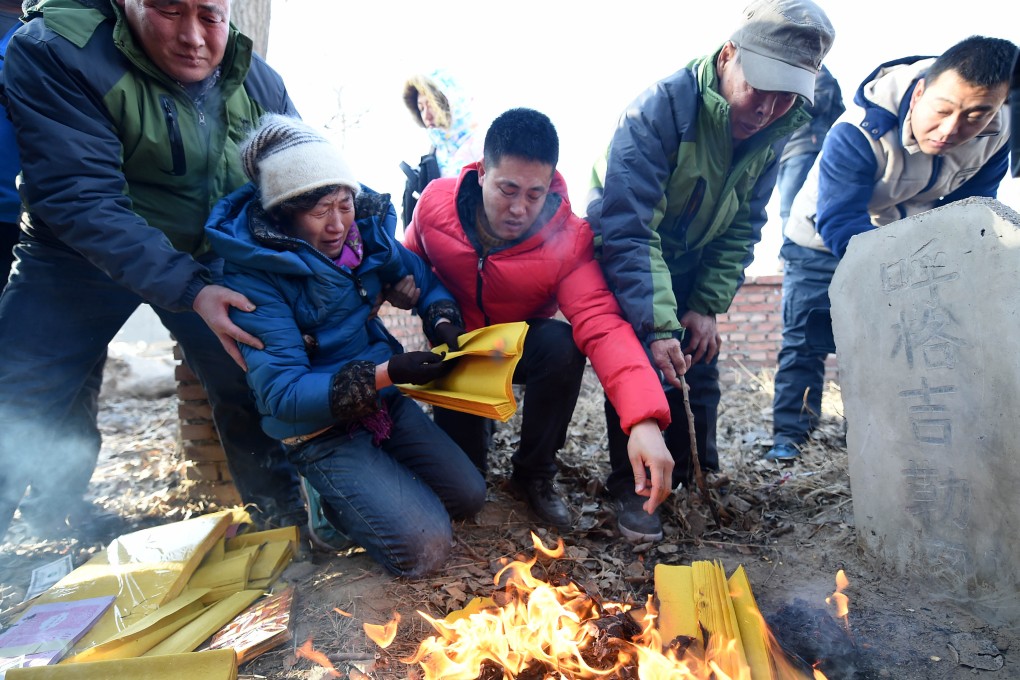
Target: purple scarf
(353, 250)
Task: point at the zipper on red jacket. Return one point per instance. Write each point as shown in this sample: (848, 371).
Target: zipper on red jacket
(478, 290)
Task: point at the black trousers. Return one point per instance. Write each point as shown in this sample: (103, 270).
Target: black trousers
(550, 369)
(705, 393)
(703, 381)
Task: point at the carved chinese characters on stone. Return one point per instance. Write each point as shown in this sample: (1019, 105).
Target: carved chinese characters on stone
(927, 326)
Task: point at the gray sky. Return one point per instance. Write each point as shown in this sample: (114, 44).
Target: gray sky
(580, 63)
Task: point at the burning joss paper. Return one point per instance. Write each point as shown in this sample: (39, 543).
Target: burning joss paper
(533, 628)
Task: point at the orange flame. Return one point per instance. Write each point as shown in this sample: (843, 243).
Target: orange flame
(839, 600)
(383, 635)
(306, 651)
(564, 632)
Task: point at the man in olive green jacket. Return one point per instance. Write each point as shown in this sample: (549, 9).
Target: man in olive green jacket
(128, 115)
(678, 203)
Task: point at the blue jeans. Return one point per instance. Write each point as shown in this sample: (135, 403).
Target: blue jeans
(801, 374)
(394, 499)
(551, 369)
(57, 316)
(792, 173)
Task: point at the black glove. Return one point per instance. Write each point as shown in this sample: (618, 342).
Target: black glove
(448, 332)
(417, 368)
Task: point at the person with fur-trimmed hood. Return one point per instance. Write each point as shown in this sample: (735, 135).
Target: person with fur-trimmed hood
(438, 104)
(925, 132)
(312, 249)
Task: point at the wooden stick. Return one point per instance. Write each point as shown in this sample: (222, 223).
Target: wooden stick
(699, 476)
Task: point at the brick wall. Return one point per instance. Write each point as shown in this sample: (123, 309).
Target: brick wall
(752, 331)
(405, 327)
(206, 470)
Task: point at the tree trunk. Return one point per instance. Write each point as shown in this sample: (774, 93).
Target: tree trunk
(252, 18)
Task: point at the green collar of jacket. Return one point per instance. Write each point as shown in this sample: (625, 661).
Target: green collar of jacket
(716, 106)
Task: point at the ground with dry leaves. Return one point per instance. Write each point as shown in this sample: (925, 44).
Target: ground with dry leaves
(791, 526)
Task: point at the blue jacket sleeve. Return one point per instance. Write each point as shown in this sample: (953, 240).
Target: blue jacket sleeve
(280, 375)
(435, 301)
(80, 192)
(432, 290)
(265, 86)
(846, 182)
(638, 167)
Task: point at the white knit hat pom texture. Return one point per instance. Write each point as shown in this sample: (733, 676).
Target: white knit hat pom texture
(286, 157)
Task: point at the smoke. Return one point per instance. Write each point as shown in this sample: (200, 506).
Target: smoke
(814, 636)
(50, 458)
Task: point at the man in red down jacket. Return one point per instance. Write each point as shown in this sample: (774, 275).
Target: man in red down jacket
(503, 239)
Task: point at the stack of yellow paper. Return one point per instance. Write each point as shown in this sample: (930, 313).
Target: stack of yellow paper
(148, 631)
(246, 562)
(213, 618)
(143, 570)
(276, 550)
(175, 585)
(699, 596)
(224, 574)
(481, 382)
(752, 626)
(219, 664)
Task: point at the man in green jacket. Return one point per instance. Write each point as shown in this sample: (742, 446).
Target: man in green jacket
(128, 115)
(678, 203)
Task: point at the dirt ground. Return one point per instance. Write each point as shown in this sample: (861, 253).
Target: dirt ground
(790, 525)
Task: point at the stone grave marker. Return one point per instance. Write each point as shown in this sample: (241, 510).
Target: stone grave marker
(926, 317)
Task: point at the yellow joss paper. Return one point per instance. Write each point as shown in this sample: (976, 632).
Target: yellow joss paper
(147, 632)
(143, 570)
(752, 626)
(481, 381)
(699, 596)
(475, 605)
(208, 622)
(228, 576)
(270, 563)
(715, 611)
(219, 664)
(674, 588)
(290, 533)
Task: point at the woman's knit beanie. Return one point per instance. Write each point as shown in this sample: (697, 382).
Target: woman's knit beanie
(286, 157)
